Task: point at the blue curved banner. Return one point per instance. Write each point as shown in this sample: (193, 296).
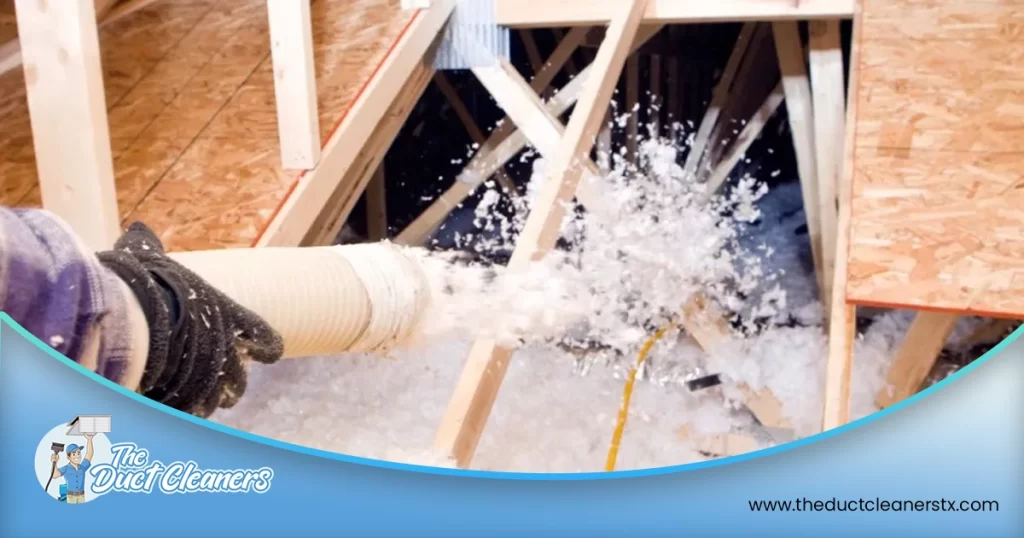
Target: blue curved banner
(948, 462)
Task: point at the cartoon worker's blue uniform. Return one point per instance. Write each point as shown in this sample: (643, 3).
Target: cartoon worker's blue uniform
(74, 472)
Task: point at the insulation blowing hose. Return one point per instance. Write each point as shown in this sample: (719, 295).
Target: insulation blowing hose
(365, 298)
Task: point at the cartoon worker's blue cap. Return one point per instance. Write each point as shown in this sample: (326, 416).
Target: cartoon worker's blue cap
(73, 447)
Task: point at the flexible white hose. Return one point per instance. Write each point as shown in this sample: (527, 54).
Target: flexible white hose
(323, 300)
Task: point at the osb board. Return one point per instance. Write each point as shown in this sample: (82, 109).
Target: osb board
(193, 128)
(938, 188)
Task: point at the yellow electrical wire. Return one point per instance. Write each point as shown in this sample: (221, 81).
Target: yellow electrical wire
(627, 393)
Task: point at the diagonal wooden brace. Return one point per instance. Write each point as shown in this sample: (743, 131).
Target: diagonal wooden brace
(485, 369)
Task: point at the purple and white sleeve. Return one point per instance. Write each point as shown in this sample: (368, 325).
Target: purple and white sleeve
(57, 289)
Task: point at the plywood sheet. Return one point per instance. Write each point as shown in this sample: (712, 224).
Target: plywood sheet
(938, 191)
(191, 110)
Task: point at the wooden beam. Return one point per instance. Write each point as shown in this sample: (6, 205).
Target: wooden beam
(514, 95)
(377, 207)
(801, 126)
(597, 12)
(570, 66)
(474, 396)
(719, 97)
(532, 53)
(68, 113)
(827, 80)
(470, 125)
(747, 137)
(315, 187)
(916, 356)
(708, 326)
(493, 155)
(291, 47)
(329, 223)
(843, 316)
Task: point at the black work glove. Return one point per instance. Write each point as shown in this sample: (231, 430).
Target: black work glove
(199, 339)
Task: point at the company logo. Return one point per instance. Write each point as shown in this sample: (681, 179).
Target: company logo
(77, 463)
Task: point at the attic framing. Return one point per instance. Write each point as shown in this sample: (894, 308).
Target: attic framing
(65, 88)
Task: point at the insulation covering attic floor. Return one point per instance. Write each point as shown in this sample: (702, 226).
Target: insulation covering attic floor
(550, 418)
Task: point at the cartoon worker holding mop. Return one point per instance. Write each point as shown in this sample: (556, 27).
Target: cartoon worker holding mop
(74, 471)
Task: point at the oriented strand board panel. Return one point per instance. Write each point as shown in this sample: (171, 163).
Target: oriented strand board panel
(938, 190)
(193, 127)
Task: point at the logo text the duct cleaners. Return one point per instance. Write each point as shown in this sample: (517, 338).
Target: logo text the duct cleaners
(131, 471)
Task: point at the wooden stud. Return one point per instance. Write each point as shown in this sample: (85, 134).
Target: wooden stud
(801, 126)
(916, 356)
(632, 109)
(68, 114)
(376, 207)
(570, 66)
(532, 53)
(522, 14)
(843, 315)
(524, 107)
(291, 47)
(310, 196)
(470, 125)
(747, 137)
(759, 51)
(719, 97)
(707, 325)
(477, 389)
(535, 122)
(827, 80)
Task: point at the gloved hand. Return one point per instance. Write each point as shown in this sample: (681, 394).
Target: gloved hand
(199, 337)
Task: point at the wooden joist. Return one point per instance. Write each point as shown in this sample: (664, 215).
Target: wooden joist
(376, 207)
(842, 315)
(799, 111)
(475, 134)
(746, 138)
(598, 12)
(827, 87)
(916, 356)
(718, 98)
